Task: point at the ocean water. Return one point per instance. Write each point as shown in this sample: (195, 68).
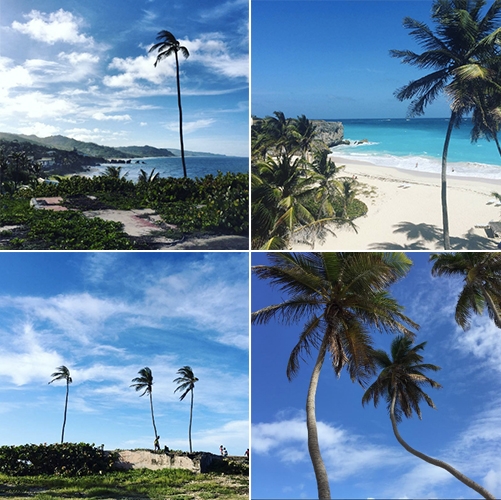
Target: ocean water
(403, 143)
(196, 166)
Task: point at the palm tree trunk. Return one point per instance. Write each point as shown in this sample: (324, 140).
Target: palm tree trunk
(324, 492)
(497, 143)
(191, 418)
(445, 216)
(433, 461)
(180, 115)
(152, 416)
(65, 410)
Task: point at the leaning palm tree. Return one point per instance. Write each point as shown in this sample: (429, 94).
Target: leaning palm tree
(63, 373)
(145, 383)
(168, 46)
(186, 383)
(399, 382)
(460, 53)
(481, 272)
(339, 298)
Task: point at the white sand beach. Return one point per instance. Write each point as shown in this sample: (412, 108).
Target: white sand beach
(405, 211)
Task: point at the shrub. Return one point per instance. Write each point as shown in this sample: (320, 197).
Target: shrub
(67, 459)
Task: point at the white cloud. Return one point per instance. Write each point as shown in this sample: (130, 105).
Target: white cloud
(134, 69)
(59, 26)
(102, 117)
(345, 454)
(190, 126)
(25, 359)
(36, 105)
(13, 76)
(39, 129)
(211, 51)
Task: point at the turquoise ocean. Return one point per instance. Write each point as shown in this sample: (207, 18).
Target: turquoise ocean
(402, 143)
(196, 166)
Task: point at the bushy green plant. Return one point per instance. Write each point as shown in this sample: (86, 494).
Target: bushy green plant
(67, 459)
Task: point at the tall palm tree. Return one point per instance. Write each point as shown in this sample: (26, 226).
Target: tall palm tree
(145, 383)
(338, 297)
(186, 383)
(168, 46)
(481, 272)
(304, 132)
(63, 373)
(399, 382)
(460, 54)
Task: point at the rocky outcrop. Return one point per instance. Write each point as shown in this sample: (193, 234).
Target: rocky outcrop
(328, 134)
(146, 459)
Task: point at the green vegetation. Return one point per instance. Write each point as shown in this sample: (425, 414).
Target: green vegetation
(297, 194)
(175, 484)
(210, 205)
(65, 459)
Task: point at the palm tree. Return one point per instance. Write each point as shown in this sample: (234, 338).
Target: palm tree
(280, 196)
(339, 297)
(147, 178)
(481, 272)
(460, 54)
(186, 383)
(399, 382)
(63, 373)
(304, 132)
(145, 382)
(168, 46)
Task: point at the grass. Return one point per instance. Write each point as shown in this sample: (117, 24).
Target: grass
(175, 484)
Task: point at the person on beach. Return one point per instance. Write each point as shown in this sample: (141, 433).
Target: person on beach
(225, 452)
(221, 450)
(157, 443)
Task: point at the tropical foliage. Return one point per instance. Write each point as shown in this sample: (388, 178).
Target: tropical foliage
(296, 194)
(464, 54)
(339, 298)
(481, 273)
(67, 459)
(400, 384)
(212, 204)
(168, 46)
(186, 383)
(63, 373)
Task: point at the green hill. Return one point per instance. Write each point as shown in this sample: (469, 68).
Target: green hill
(96, 150)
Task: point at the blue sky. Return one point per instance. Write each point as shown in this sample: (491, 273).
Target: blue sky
(82, 69)
(330, 58)
(363, 458)
(107, 315)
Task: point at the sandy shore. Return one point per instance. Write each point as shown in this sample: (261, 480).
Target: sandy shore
(405, 211)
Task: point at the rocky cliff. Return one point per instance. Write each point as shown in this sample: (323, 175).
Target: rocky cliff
(329, 134)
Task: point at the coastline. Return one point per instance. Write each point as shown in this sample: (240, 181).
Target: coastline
(405, 211)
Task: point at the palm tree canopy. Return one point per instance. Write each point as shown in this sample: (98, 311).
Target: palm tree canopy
(403, 373)
(459, 53)
(168, 46)
(62, 373)
(481, 272)
(339, 296)
(186, 381)
(144, 381)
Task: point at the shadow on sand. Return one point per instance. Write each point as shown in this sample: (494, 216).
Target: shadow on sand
(429, 237)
